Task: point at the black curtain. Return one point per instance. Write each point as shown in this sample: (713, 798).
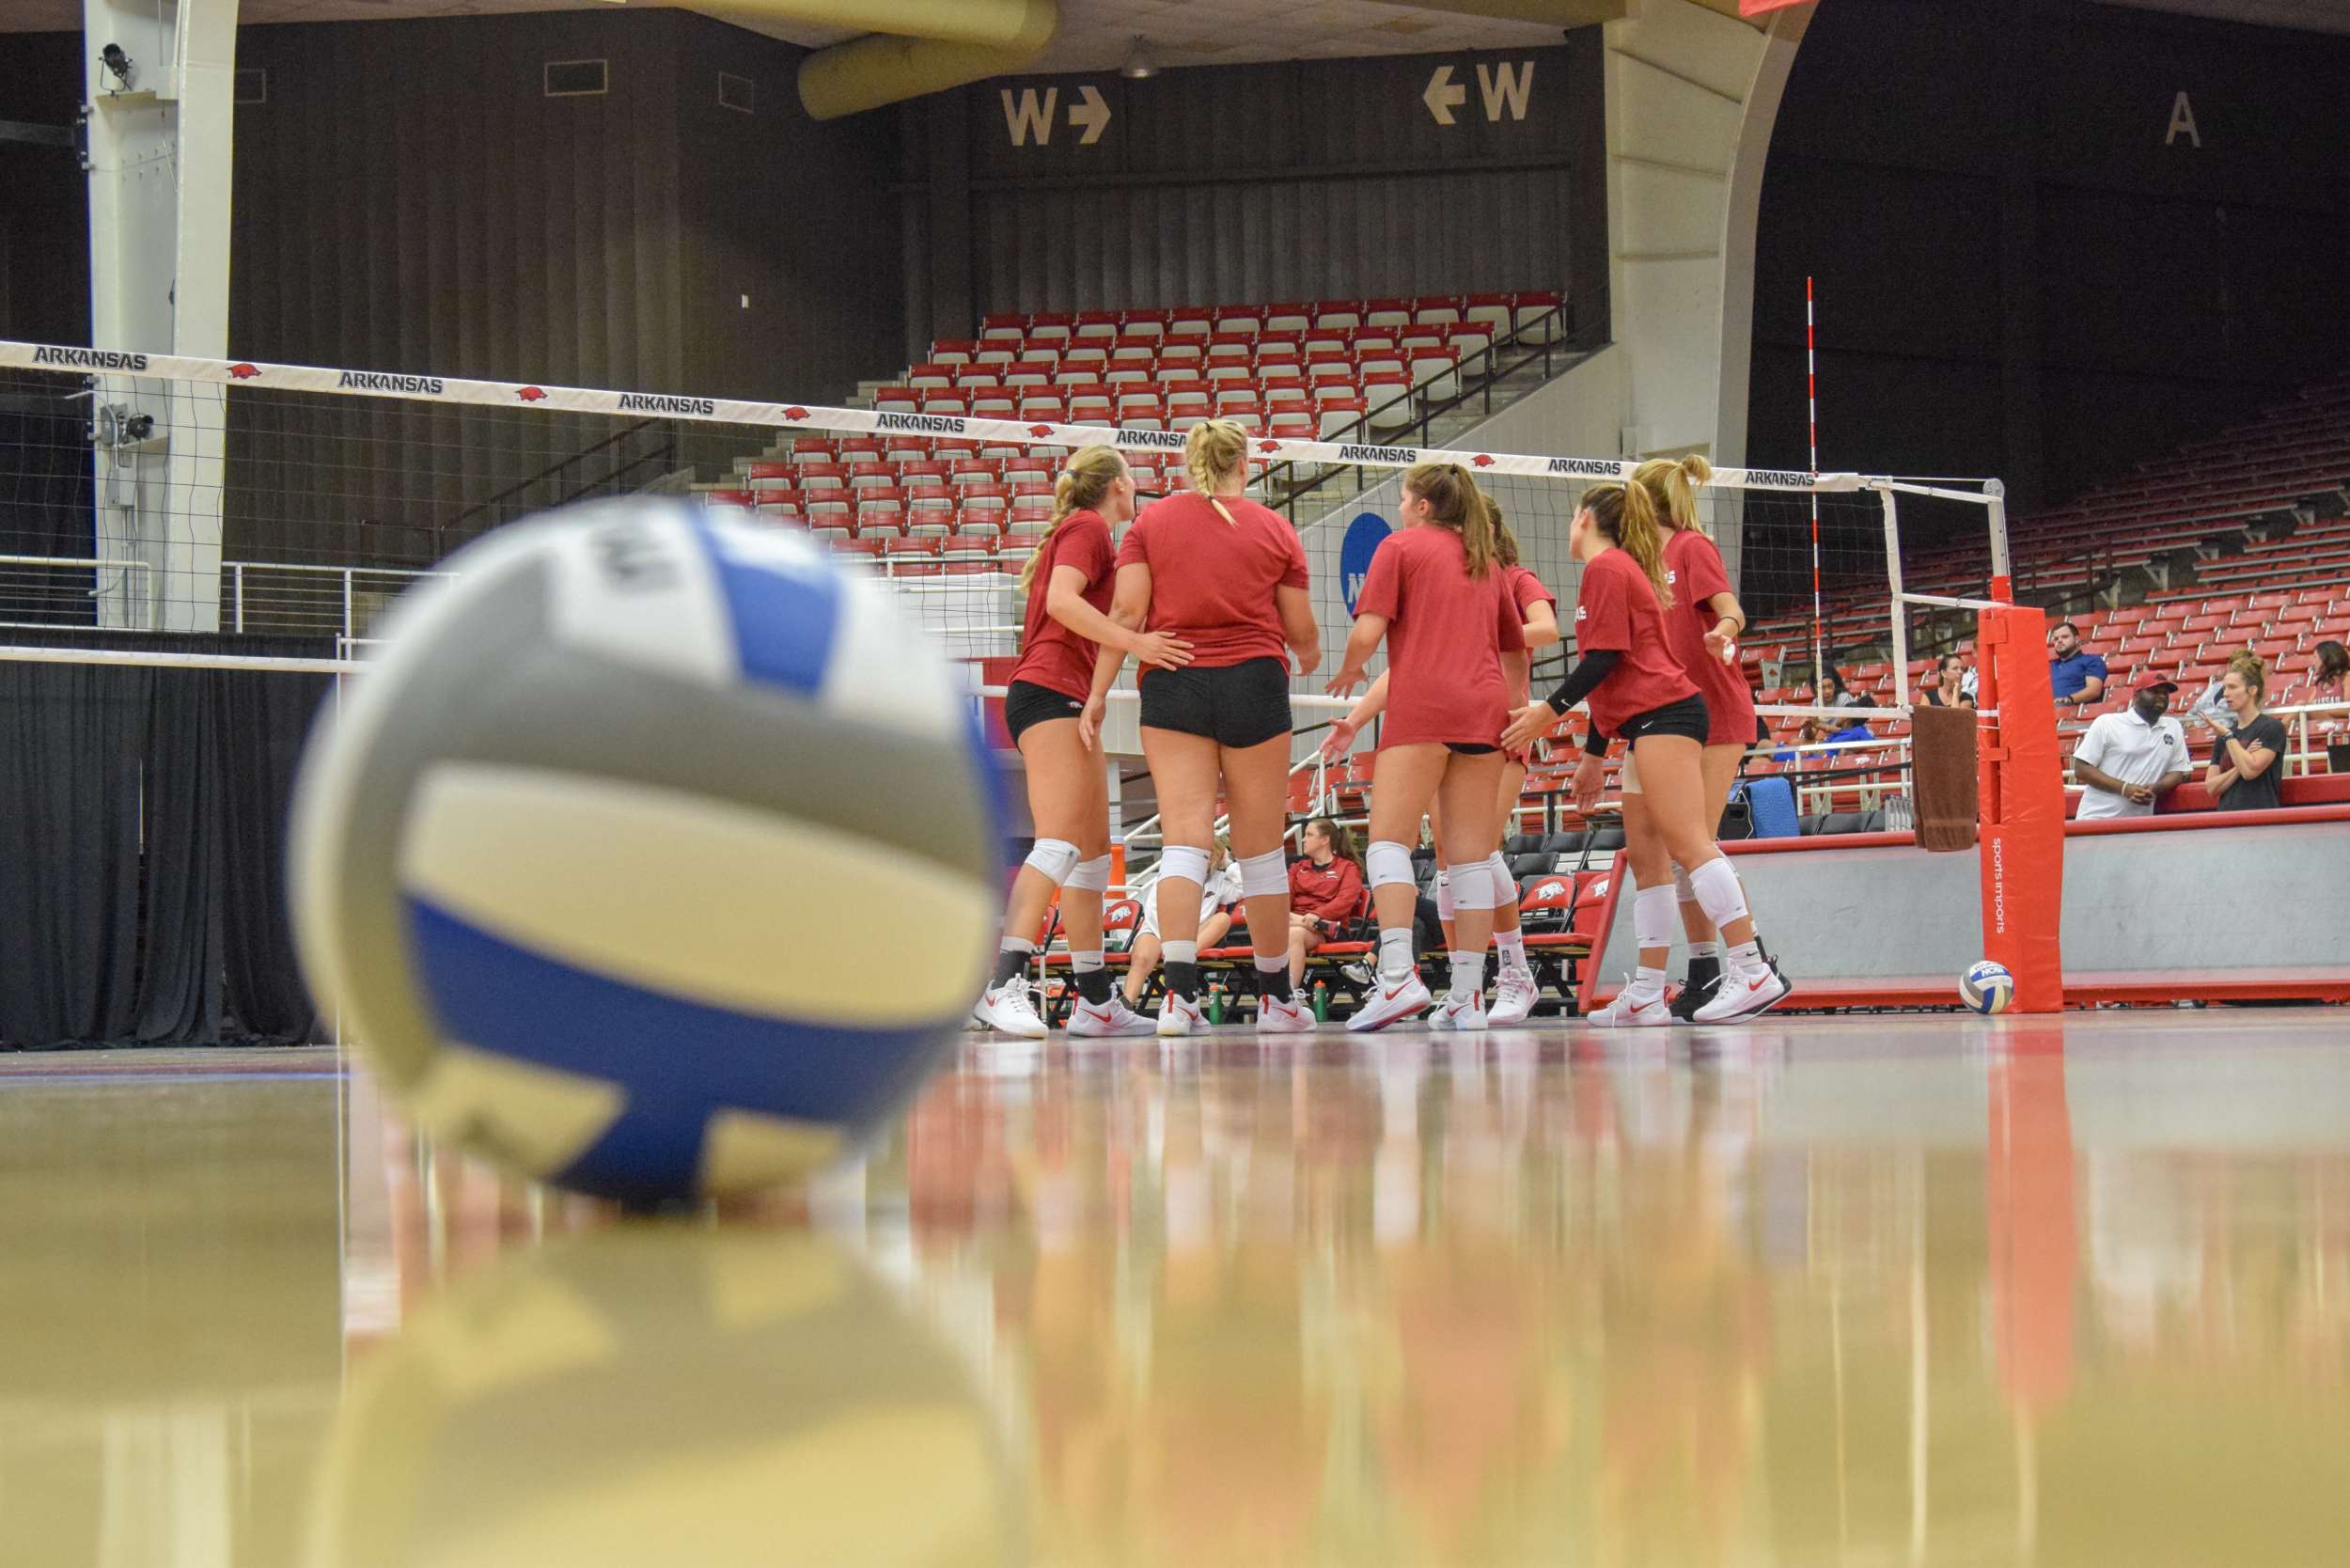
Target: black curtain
(142, 849)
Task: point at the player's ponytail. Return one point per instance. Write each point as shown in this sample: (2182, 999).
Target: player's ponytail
(1672, 485)
(2252, 671)
(1214, 454)
(1456, 503)
(1626, 517)
(1082, 485)
(1505, 539)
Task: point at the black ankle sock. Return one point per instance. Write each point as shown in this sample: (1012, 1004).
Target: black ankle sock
(1182, 980)
(1274, 984)
(1094, 986)
(1703, 971)
(1009, 965)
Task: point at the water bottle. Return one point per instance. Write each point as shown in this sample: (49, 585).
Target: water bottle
(1322, 1001)
(1216, 1001)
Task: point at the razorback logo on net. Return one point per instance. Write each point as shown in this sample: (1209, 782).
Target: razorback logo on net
(1268, 445)
(1040, 431)
(1483, 461)
(243, 371)
(796, 412)
(531, 394)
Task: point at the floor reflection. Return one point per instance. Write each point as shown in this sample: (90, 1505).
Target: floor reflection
(1906, 1291)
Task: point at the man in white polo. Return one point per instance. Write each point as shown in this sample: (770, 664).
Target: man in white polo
(2129, 757)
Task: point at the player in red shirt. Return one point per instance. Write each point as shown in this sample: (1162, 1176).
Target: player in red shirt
(1702, 626)
(1515, 991)
(1637, 690)
(1228, 577)
(1068, 787)
(1437, 595)
(1325, 889)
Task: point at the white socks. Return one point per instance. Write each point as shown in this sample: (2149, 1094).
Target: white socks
(1395, 952)
(1512, 945)
(1747, 959)
(1468, 973)
(1648, 985)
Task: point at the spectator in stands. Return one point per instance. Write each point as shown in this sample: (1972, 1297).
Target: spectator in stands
(1948, 689)
(1815, 730)
(1841, 695)
(2330, 674)
(1325, 889)
(2129, 757)
(1217, 901)
(2245, 772)
(2075, 674)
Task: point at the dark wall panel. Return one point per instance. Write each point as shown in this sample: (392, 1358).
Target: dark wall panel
(44, 197)
(1997, 207)
(1291, 181)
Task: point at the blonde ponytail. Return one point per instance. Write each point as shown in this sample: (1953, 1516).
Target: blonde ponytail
(1214, 453)
(1671, 484)
(1455, 502)
(1083, 484)
(1626, 515)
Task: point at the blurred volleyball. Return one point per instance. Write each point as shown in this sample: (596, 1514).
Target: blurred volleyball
(656, 1394)
(1986, 988)
(606, 859)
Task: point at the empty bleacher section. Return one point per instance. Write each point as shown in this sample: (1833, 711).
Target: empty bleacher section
(1333, 370)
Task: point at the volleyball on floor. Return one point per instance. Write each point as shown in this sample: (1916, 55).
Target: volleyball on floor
(1987, 988)
(653, 855)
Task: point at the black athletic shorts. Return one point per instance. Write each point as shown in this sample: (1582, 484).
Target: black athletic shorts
(1235, 705)
(1686, 717)
(1025, 704)
(1463, 748)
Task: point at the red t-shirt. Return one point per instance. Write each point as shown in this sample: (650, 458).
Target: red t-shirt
(1617, 609)
(1211, 582)
(1331, 892)
(1447, 632)
(1052, 655)
(1528, 591)
(1693, 569)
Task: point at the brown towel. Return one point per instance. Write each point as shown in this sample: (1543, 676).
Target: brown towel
(1942, 755)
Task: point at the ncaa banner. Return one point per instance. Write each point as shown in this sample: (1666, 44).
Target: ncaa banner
(1361, 542)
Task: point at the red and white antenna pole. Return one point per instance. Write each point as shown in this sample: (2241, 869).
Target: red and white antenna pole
(1811, 392)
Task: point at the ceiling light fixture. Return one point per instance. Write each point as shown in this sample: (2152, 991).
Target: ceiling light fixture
(1139, 62)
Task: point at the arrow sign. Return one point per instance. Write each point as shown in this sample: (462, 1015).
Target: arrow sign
(1093, 114)
(1442, 96)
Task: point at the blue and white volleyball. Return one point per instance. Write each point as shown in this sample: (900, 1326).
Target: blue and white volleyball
(1986, 988)
(654, 855)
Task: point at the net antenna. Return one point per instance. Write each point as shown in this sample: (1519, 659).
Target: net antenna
(1811, 399)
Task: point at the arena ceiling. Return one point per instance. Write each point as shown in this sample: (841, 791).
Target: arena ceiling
(1096, 35)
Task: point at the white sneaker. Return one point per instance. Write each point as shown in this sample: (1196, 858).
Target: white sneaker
(1289, 1017)
(1744, 996)
(1007, 1009)
(1178, 1017)
(1113, 1019)
(1625, 1013)
(1384, 1004)
(1459, 1012)
(1514, 996)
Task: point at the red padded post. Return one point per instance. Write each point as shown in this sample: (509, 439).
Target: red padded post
(2023, 807)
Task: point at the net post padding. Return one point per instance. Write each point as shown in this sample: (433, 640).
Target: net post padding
(2022, 790)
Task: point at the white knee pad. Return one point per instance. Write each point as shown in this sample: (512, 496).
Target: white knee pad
(1505, 881)
(1718, 892)
(1091, 876)
(1682, 888)
(1056, 859)
(1472, 884)
(1655, 913)
(1183, 860)
(1445, 910)
(1264, 873)
(1388, 862)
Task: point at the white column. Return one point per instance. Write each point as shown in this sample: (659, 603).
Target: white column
(160, 148)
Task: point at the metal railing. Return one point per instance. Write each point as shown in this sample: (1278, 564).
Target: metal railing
(21, 595)
(287, 597)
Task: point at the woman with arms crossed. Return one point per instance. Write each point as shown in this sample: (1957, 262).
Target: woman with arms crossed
(1068, 787)
(1227, 577)
(1639, 690)
(1437, 595)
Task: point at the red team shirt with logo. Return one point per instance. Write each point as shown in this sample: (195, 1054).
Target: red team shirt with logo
(1694, 567)
(1052, 655)
(1211, 582)
(1528, 591)
(1447, 632)
(1617, 609)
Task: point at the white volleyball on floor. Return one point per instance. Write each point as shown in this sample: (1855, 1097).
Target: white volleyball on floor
(654, 854)
(1987, 988)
